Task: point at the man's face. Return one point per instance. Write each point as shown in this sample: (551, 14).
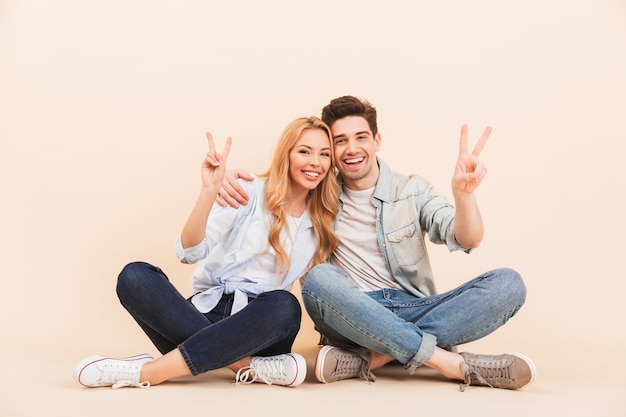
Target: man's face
(355, 152)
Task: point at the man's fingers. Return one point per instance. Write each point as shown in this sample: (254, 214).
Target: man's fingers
(480, 145)
(463, 140)
(238, 193)
(482, 141)
(224, 200)
(480, 171)
(220, 201)
(244, 175)
(229, 197)
(234, 192)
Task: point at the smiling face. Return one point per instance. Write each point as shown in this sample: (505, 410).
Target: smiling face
(355, 152)
(309, 160)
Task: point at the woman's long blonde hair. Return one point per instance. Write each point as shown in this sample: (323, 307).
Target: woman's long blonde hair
(323, 201)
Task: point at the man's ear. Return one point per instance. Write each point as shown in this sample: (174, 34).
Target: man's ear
(377, 139)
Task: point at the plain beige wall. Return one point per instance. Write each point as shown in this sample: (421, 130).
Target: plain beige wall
(104, 105)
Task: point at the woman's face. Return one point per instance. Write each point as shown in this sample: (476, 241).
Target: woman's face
(309, 160)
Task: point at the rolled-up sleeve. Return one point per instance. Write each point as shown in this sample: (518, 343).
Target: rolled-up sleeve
(437, 218)
(190, 255)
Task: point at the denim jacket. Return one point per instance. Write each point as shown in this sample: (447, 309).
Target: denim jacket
(407, 208)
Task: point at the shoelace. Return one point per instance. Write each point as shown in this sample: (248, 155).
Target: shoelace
(120, 384)
(266, 369)
(245, 375)
(122, 376)
(354, 363)
(483, 371)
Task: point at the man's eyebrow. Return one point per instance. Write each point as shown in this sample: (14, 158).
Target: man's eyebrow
(363, 132)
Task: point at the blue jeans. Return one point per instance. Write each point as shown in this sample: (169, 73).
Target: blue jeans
(267, 326)
(406, 327)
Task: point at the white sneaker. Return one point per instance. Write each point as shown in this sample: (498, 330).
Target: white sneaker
(104, 371)
(288, 370)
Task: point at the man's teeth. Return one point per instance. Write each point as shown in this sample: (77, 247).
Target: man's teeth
(353, 161)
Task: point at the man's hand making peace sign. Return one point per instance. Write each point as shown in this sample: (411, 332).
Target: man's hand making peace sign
(469, 171)
(468, 174)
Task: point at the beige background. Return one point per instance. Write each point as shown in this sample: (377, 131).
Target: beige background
(103, 109)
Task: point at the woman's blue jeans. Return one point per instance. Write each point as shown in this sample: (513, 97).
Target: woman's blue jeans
(404, 326)
(267, 326)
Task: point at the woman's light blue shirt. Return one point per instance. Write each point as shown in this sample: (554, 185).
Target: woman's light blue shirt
(233, 238)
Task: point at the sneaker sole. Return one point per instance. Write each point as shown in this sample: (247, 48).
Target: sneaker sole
(319, 363)
(301, 369)
(531, 365)
(97, 358)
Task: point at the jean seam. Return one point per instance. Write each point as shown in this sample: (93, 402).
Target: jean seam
(187, 359)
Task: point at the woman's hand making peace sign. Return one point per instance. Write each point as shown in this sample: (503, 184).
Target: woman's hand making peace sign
(214, 164)
(212, 172)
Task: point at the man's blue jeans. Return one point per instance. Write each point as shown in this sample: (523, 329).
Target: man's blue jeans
(404, 326)
(267, 326)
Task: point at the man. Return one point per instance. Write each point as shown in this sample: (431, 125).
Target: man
(376, 301)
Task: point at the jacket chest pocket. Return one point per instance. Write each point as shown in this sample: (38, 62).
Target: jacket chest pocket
(406, 244)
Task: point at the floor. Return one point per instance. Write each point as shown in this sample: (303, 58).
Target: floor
(566, 384)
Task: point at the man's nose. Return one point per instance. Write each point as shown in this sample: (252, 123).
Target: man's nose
(352, 146)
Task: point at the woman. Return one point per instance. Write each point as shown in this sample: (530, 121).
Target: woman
(242, 315)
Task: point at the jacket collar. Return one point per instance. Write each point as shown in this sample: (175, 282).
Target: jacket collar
(384, 185)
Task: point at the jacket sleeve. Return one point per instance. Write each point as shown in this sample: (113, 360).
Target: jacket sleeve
(437, 217)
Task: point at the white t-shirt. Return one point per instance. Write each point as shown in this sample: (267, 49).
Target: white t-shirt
(358, 254)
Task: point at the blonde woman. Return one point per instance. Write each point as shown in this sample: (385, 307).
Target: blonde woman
(241, 314)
